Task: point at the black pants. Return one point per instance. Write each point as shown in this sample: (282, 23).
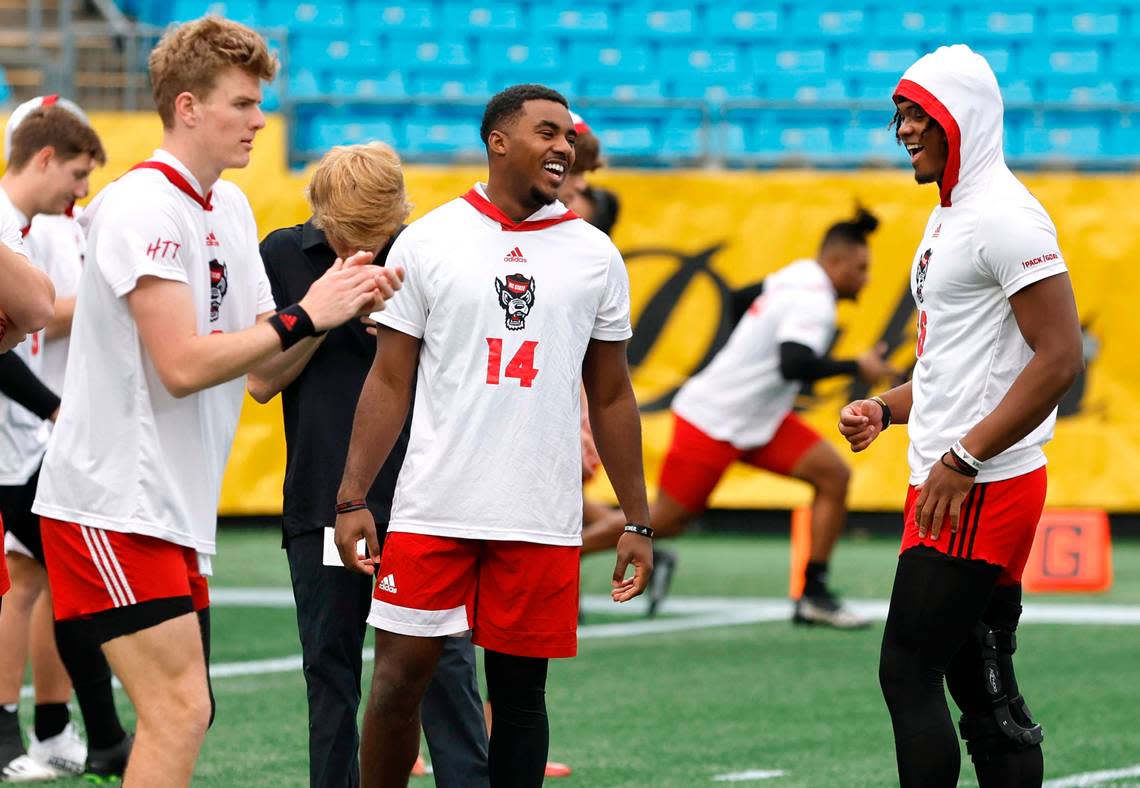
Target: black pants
(332, 605)
(936, 604)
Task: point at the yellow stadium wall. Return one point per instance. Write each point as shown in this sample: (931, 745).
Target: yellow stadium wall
(733, 228)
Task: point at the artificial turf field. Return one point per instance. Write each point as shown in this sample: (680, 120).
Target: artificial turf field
(720, 684)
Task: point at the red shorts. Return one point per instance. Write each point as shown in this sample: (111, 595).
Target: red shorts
(5, 581)
(996, 525)
(695, 461)
(92, 569)
(517, 598)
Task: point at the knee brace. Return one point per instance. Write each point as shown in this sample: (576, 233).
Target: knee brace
(1007, 724)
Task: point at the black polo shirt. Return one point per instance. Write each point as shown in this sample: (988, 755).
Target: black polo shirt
(320, 403)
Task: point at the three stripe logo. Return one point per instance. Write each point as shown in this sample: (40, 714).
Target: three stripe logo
(514, 256)
(388, 583)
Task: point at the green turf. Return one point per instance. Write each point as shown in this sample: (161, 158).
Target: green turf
(675, 709)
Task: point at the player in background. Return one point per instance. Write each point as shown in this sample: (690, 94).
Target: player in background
(358, 199)
(173, 310)
(999, 343)
(510, 301)
(51, 151)
(739, 409)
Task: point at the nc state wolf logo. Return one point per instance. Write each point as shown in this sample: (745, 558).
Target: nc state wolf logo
(920, 274)
(516, 297)
(219, 284)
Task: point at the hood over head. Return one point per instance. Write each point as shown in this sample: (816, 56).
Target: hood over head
(956, 86)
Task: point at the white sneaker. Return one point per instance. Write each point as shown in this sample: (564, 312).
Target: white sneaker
(826, 609)
(23, 769)
(65, 751)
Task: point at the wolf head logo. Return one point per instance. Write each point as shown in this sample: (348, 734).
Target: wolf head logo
(516, 296)
(219, 284)
(920, 274)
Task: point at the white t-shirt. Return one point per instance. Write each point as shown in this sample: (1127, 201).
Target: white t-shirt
(741, 397)
(23, 434)
(126, 455)
(57, 244)
(972, 258)
(505, 316)
(12, 223)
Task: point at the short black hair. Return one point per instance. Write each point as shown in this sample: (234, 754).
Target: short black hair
(506, 104)
(852, 231)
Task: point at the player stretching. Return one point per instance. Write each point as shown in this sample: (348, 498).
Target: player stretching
(173, 310)
(739, 409)
(510, 300)
(999, 343)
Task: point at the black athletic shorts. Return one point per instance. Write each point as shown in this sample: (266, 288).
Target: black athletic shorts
(16, 508)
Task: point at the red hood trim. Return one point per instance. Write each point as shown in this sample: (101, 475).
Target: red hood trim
(175, 177)
(488, 208)
(937, 110)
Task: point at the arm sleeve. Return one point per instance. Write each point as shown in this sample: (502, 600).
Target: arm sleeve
(800, 362)
(810, 321)
(1018, 247)
(137, 238)
(407, 311)
(19, 384)
(612, 324)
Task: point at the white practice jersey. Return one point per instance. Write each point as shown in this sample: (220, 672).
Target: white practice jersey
(988, 239)
(505, 312)
(57, 244)
(11, 225)
(741, 397)
(23, 434)
(126, 455)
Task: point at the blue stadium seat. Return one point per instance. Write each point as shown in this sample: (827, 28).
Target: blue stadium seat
(1123, 58)
(567, 19)
(1047, 63)
(1081, 91)
(450, 84)
(862, 60)
(591, 57)
(737, 24)
(244, 11)
(871, 141)
(302, 83)
(368, 83)
(403, 18)
(629, 139)
(522, 55)
(479, 17)
(326, 132)
(809, 21)
(650, 22)
(999, 57)
(873, 87)
(1017, 91)
(1005, 24)
(318, 49)
(775, 136)
(712, 87)
(808, 89)
(5, 89)
(413, 52)
(626, 88)
(900, 23)
(771, 60)
(1079, 22)
(1061, 142)
(442, 136)
(680, 58)
(1124, 137)
(287, 13)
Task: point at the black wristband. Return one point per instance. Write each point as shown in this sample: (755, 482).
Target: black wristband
(637, 528)
(353, 505)
(886, 411)
(957, 468)
(292, 324)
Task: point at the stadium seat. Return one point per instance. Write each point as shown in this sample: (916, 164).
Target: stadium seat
(862, 60)
(715, 88)
(5, 90)
(572, 20)
(649, 22)
(633, 87)
(480, 17)
(244, 11)
(809, 21)
(632, 140)
(680, 58)
(999, 58)
(286, 13)
(684, 137)
(899, 24)
(1076, 22)
(368, 83)
(319, 49)
(873, 87)
(329, 132)
(443, 137)
(519, 55)
(592, 58)
(414, 17)
(1081, 90)
(1017, 91)
(771, 60)
(412, 52)
(874, 142)
(1004, 24)
(739, 24)
(449, 84)
(1048, 63)
(1061, 142)
(302, 83)
(807, 89)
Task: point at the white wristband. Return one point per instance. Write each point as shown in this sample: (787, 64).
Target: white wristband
(965, 456)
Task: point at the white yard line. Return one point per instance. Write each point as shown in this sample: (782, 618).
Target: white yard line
(748, 776)
(1093, 778)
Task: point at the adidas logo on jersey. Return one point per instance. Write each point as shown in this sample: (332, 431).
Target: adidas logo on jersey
(937, 231)
(514, 256)
(211, 239)
(388, 584)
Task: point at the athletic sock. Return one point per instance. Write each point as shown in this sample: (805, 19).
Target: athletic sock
(520, 729)
(815, 578)
(91, 677)
(11, 743)
(51, 719)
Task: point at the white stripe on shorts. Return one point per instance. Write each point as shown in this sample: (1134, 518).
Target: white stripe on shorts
(420, 623)
(117, 568)
(117, 596)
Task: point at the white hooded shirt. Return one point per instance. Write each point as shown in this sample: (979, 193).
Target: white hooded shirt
(988, 239)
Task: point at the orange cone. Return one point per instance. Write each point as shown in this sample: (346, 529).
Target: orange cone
(556, 769)
(801, 551)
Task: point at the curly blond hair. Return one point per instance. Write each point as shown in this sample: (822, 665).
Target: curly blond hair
(190, 57)
(357, 195)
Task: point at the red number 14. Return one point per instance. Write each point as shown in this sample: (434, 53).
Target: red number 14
(521, 365)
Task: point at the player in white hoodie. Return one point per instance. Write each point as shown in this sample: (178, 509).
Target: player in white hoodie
(999, 343)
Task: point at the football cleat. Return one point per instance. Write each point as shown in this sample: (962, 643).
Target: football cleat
(826, 609)
(664, 564)
(108, 765)
(64, 751)
(22, 769)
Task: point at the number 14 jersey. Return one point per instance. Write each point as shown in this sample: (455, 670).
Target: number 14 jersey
(505, 311)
